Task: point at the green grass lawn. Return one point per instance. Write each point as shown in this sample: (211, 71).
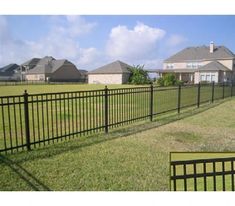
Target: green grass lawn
(131, 158)
(47, 88)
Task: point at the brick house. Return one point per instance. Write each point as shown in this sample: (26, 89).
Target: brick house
(203, 63)
(50, 69)
(114, 73)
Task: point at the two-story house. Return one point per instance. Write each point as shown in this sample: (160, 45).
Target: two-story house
(203, 63)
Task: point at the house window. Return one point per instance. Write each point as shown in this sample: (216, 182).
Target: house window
(170, 66)
(199, 65)
(203, 78)
(208, 78)
(193, 65)
(41, 77)
(189, 65)
(213, 78)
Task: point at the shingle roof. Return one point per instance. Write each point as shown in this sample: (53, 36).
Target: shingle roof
(83, 71)
(8, 70)
(49, 65)
(116, 67)
(31, 63)
(201, 53)
(214, 66)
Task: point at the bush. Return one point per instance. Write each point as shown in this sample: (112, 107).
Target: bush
(139, 75)
(179, 82)
(169, 80)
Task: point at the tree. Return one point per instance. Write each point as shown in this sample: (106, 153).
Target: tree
(139, 75)
(168, 80)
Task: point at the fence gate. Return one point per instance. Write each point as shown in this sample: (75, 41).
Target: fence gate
(203, 175)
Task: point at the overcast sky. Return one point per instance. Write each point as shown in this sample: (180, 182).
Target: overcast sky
(92, 41)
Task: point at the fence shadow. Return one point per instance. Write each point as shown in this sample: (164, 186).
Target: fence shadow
(86, 141)
(32, 181)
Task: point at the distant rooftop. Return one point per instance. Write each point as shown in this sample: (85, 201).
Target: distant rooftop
(8, 70)
(117, 67)
(201, 53)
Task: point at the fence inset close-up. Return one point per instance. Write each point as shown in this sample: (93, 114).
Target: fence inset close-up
(215, 174)
(31, 120)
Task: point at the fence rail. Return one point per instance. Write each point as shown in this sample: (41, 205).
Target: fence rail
(31, 120)
(203, 174)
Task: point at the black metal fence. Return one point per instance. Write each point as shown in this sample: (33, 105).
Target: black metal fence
(31, 120)
(203, 175)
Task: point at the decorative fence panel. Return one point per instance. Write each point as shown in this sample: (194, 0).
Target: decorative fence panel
(32, 120)
(203, 175)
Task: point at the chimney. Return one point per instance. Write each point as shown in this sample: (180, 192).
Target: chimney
(211, 47)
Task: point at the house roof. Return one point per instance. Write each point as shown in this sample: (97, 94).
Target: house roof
(8, 70)
(214, 66)
(83, 72)
(49, 65)
(201, 53)
(31, 63)
(116, 67)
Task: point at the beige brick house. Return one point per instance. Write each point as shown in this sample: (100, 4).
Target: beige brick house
(203, 63)
(50, 69)
(114, 73)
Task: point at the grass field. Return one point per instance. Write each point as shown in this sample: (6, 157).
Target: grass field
(200, 169)
(131, 158)
(47, 88)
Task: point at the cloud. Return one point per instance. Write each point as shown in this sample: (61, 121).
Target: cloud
(133, 44)
(141, 44)
(175, 40)
(61, 41)
(78, 25)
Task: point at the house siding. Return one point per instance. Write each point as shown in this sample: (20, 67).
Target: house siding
(227, 63)
(106, 78)
(66, 73)
(35, 77)
(125, 78)
(179, 65)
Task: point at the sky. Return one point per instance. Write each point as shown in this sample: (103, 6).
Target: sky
(92, 41)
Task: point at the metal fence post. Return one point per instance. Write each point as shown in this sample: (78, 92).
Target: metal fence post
(179, 98)
(106, 107)
(213, 92)
(26, 115)
(231, 88)
(223, 90)
(198, 94)
(151, 103)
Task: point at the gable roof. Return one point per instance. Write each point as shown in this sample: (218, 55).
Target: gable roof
(116, 67)
(31, 63)
(201, 53)
(214, 66)
(49, 65)
(8, 70)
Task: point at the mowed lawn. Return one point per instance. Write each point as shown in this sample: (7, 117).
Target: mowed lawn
(131, 158)
(51, 88)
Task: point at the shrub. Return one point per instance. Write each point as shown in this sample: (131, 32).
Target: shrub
(169, 80)
(139, 75)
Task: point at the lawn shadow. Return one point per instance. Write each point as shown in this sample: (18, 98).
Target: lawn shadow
(32, 181)
(86, 141)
